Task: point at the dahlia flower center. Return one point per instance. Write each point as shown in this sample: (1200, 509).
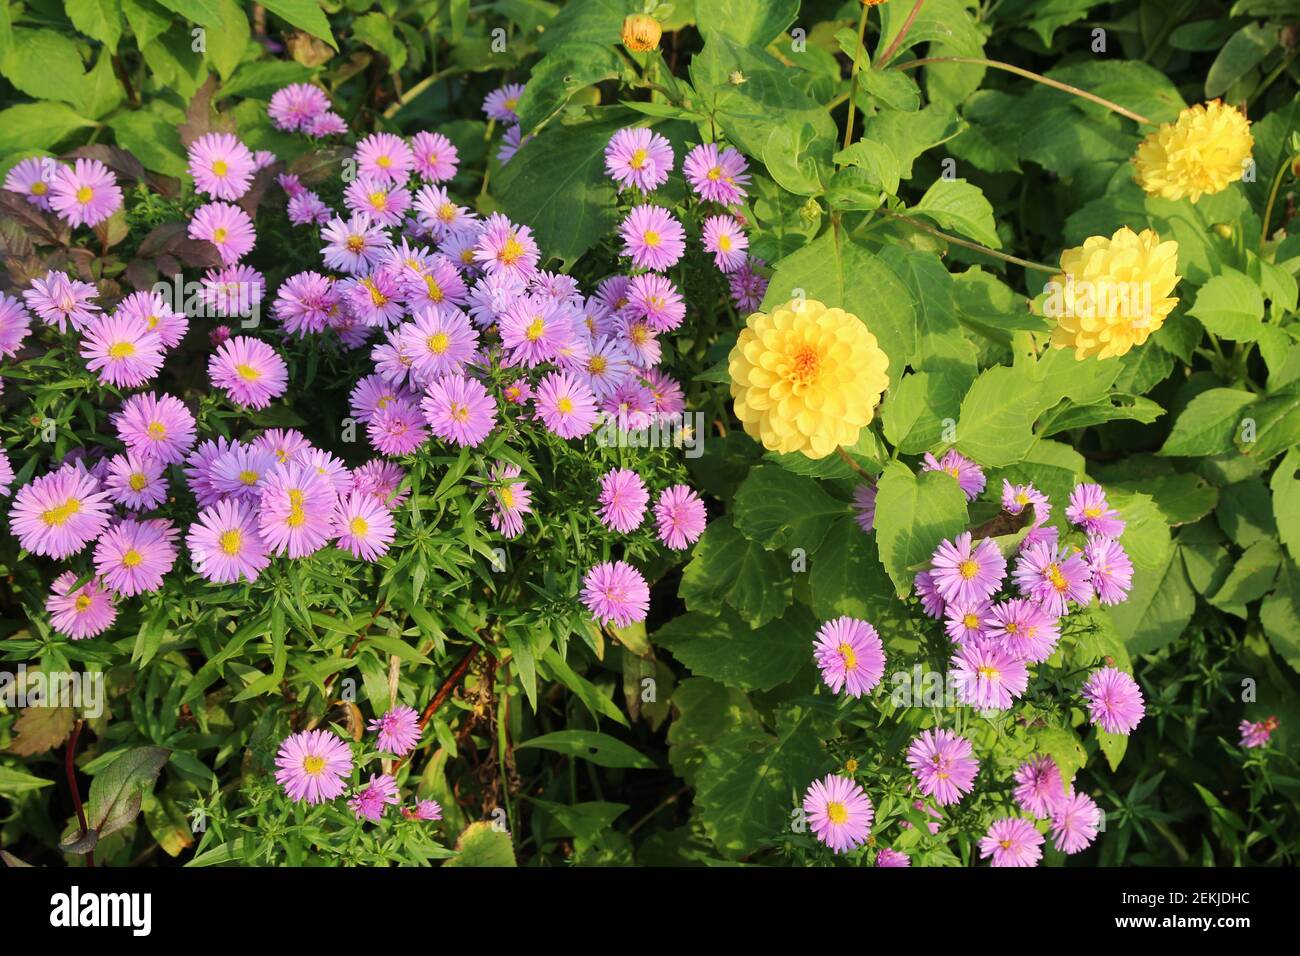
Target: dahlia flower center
(137, 481)
(359, 526)
(219, 168)
(82, 603)
(564, 405)
(356, 243)
(805, 365)
(313, 764)
(248, 373)
(651, 238)
(1056, 577)
(849, 657)
(836, 812)
(968, 569)
(57, 517)
(248, 478)
(231, 542)
(511, 251)
(85, 194)
(535, 329)
(435, 290)
(438, 343)
(638, 159)
(131, 558)
(219, 235)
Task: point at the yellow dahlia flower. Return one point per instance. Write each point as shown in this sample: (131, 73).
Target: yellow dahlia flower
(1112, 293)
(806, 378)
(1198, 155)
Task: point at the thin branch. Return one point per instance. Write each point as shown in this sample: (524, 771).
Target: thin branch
(853, 75)
(71, 770)
(444, 691)
(975, 246)
(893, 46)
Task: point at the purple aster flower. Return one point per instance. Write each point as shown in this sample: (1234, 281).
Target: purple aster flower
(132, 557)
(313, 766)
(221, 165)
(652, 237)
(839, 812)
(986, 675)
(1012, 841)
(724, 237)
(1075, 821)
(383, 202)
(364, 525)
(501, 103)
(308, 209)
(511, 142)
(850, 655)
(241, 471)
(968, 474)
(156, 427)
(607, 367)
(59, 300)
(355, 246)
(1257, 734)
(225, 543)
(1114, 700)
(623, 498)
(398, 429)
(679, 517)
(375, 299)
(284, 443)
(424, 810)
(639, 157)
(249, 371)
(505, 247)
(79, 612)
(198, 469)
(1015, 498)
(459, 410)
(963, 574)
(439, 341)
(748, 286)
(565, 405)
(31, 179)
(1039, 786)
(435, 156)
(864, 505)
(399, 730)
(305, 302)
(968, 622)
(381, 480)
(296, 511)
(158, 315)
(225, 226)
(655, 299)
(1024, 629)
(615, 593)
(122, 350)
(1089, 510)
(717, 176)
(136, 482)
(533, 329)
(887, 857)
(1112, 571)
(1053, 578)
(511, 499)
(296, 106)
(932, 602)
(385, 157)
(85, 194)
(943, 766)
(58, 514)
(15, 324)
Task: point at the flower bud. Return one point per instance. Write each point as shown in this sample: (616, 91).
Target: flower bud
(641, 33)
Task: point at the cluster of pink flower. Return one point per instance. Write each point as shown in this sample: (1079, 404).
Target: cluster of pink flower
(995, 644)
(83, 194)
(1257, 733)
(641, 159)
(314, 767)
(303, 108)
(501, 106)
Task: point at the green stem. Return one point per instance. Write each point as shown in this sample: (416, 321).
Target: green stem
(898, 39)
(1272, 198)
(975, 246)
(853, 75)
(1030, 75)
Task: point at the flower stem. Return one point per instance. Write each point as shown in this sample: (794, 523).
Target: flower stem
(975, 246)
(893, 46)
(71, 770)
(1272, 198)
(851, 463)
(853, 75)
(1030, 75)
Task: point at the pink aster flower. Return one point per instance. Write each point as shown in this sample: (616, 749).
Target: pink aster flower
(305, 302)
(717, 176)
(399, 730)
(1256, 733)
(249, 371)
(296, 515)
(313, 766)
(1112, 571)
(398, 429)
(424, 810)
(59, 300)
(31, 179)
(501, 103)
(511, 142)
(58, 514)
(505, 247)
(1075, 821)
(666, 394)
(1114, 700)
(1039, 786)
(679, 517)
(963, 574)
(724, 237)
(85, 194)
(967, 622)
(839, 812)
(565, 405)
(284, 443)
(850, 655)
(622, 498)
(888, 857)
(308, 209)
(748, 285)
(15, 324)
(241, 471)
(436, 157)
(296, 106)
(518, 392)
(381, 480)
(372, 394)
(122, 350)
(225, 543)
(607, 367)
(943, 766)
(615, 592)
(655, 299)
(1015, 498)
(932, 602)
(221, 165)
(864, 506)
(383, 202)
(968, 474)
(327, 124)
(225, 226)
(439, 214)
(439, 341)
(459, 410)
(157, 315)
(79, 612)
(1025, 629)
(375, 299)
(156, 427)
(386, 157)
(364, 524)
(1012, 841)
(630, 405)
(368, 803)
(136, 481)
(355, 246)
(437, 285)
(6, 474)
(638, 157)
(652, 237)
(511, 498)
(1089, 510)
(198, 469)
(1053, 578)
(327, 466)
(132, 557)
(986, 675)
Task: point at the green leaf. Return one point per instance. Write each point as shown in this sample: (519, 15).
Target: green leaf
(913, 514)
(846, 578)
(1244, 51)
(996, 421)
(1286, 501)
(1231, 306)
(1280, 616)
(116, 791)
(1064, 747)
(303, 14)
(744, 21)
(596, 700)
(1252, 576)
(1159, 606)
(14, 781)
(876, 162)
(726, 649)
(98, 19)
(560, 74)
(960, 207)
(798, 157)
(1113, 746)
(152, 140)
(203, 12)
(482, 844)
(36, 126)
(781, 510)
(600, 749)
(46, 66)
(1207, 424)
(226, 46)
(726, 566)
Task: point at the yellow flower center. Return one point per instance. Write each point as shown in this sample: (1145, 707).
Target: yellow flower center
(535, 329)
(248, 478)
(714, 174)
(385, 161)
(511, 104)
(724, 242)
(651, 238)
(565, 405)
(968, 568)
(121, 350)
(313, 764)
(447, 212)
(438, 343)
(219, 168)
(1056, 577)
(85, 194)
(511, 251)
(132, 558)
(971, 621)
(82, 603)
(805, 365)
(137, 481)
(376, 297)
(638, 159)
(296, 515)
(219, 235)
(851, 766)
(989, 673)
(358, 527)
(248, 373)
(157, 430)
(597, 365)
(836, 812)
(506, 497)
(1093, 512)
(849, 657)
(435, 290)
(379, 200)
(232, 542)
(39, 188)
(57, 517)
(356, 243)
